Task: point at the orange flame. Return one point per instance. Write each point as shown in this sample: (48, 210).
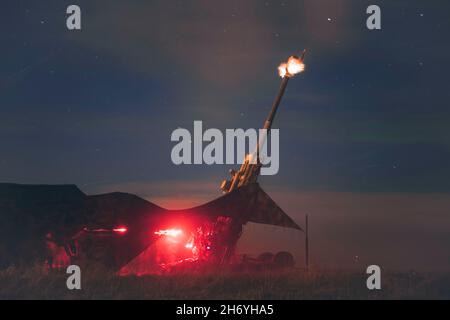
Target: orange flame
(282, 70)
(293, 66)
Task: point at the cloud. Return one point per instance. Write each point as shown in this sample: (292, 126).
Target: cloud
(214, 41)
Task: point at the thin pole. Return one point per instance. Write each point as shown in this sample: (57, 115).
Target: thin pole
(306, 242)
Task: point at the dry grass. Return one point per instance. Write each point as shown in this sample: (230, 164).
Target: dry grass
(34, 283)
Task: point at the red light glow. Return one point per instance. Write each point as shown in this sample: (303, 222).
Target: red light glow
(120, 230)
(177, 244)
(169, 232)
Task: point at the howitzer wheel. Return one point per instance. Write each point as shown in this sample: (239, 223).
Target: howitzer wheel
(283, 259)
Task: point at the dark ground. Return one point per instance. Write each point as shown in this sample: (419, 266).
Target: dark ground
(33, 283)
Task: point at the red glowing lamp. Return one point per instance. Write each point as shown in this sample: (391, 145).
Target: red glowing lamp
(120, 230)
(169, 232)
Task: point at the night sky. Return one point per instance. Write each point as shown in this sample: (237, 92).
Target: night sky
(364, 131)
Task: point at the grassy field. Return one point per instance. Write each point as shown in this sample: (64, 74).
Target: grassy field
(33, 283)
